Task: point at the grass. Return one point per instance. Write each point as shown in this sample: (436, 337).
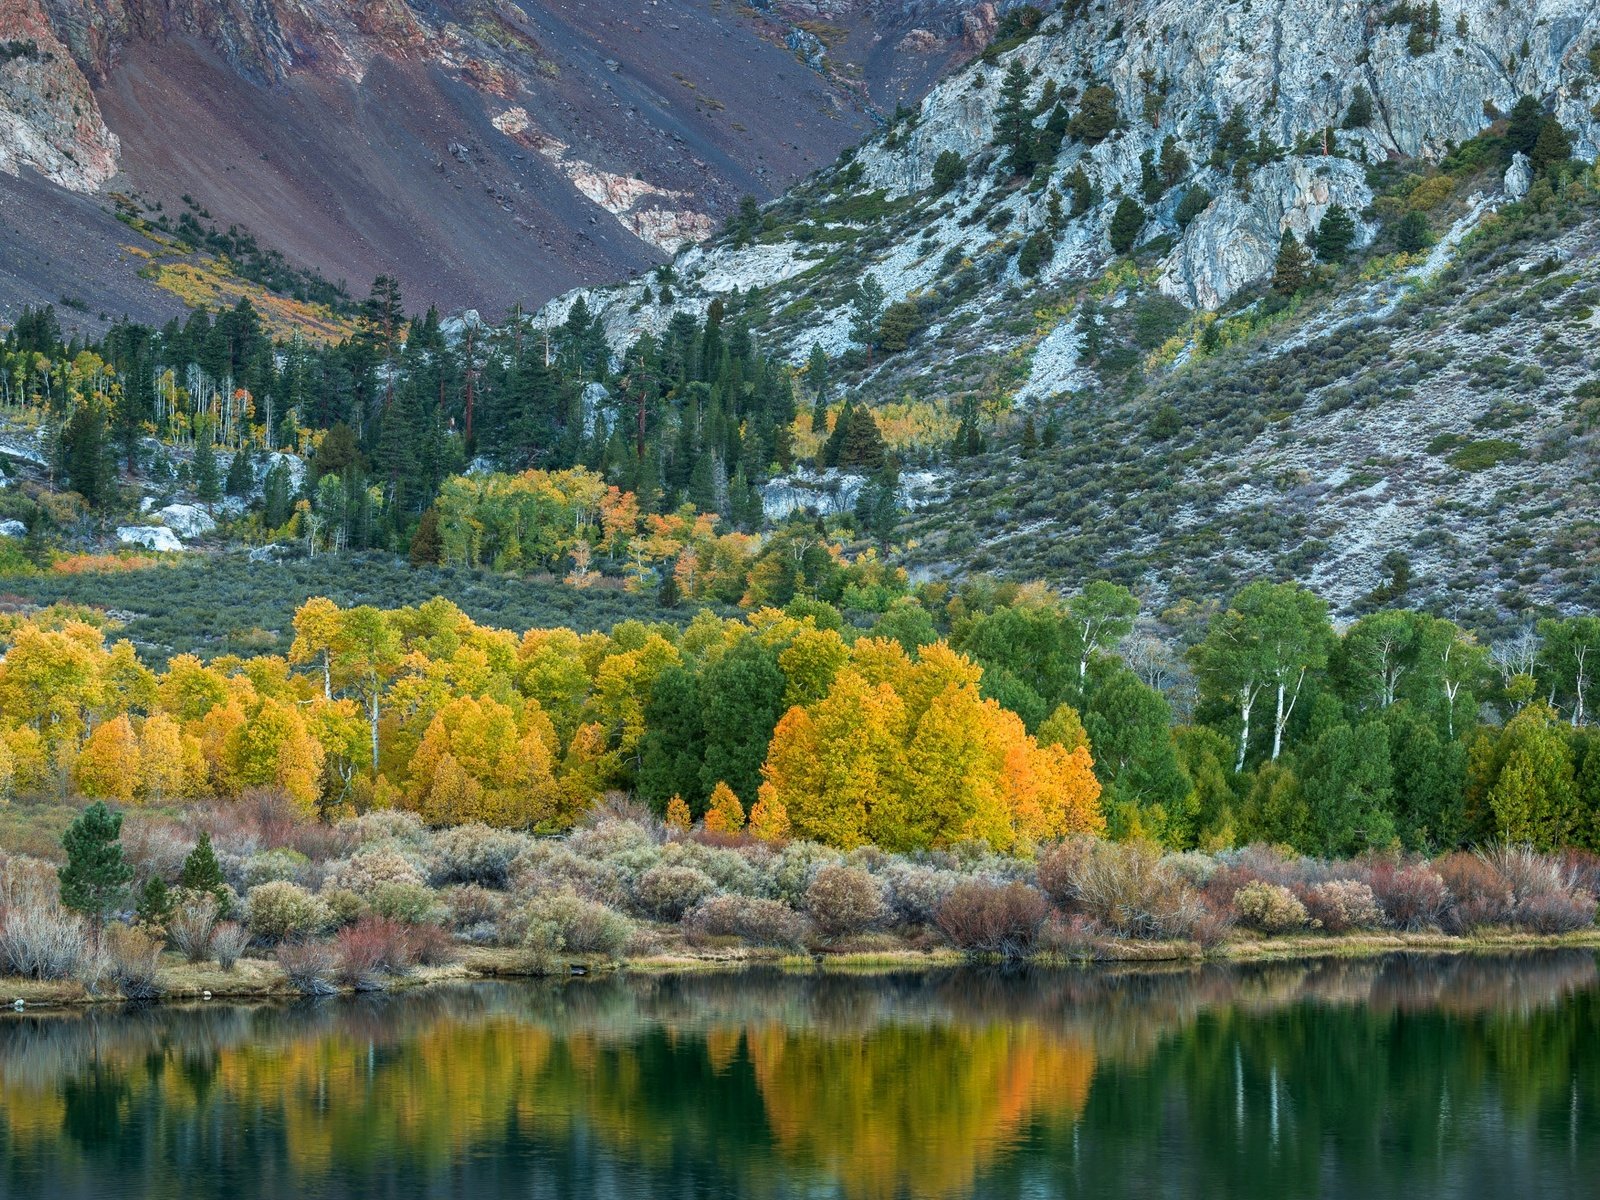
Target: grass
(262, 979)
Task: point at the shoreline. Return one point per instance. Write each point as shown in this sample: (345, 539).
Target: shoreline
(255, 979)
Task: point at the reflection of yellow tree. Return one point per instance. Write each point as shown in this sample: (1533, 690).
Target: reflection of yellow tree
(912, 1107)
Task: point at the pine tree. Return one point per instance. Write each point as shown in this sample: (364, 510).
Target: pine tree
(1013, 121)
(95, 879)
(1126, 224)
(1292, 268)
(207, 482)
(202, 873)
(1335, 234)
(155, 903)
(241, 479)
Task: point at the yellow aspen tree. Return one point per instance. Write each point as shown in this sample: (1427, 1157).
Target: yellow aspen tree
(768, 820)
(724, 813)
(165, 761)
(107, 768)
(678, 816)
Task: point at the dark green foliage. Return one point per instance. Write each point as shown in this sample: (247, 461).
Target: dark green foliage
(95, 879)
(1291, 270)
(1126, 224)
(900, 322)
(1412, 234)
(1359, 114)
(155, 902)
(1035, 252)
(1097, 115)
(1082, 190)
(948, 170)
(1335, 234)
(1195, 201)
(202, 873)
(1551, 148)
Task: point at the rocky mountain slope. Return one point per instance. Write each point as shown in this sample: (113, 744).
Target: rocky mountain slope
(1416, 416)
(485, 151)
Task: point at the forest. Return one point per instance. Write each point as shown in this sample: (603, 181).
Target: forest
(985, 713)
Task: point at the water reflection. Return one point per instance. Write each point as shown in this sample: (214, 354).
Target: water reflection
(1404, 1076)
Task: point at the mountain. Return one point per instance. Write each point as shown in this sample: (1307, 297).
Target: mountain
(1062, 283)
(484, 152)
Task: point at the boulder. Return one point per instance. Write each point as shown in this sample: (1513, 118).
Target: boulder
(1519, 176)
(149, 537)
(187, 520)
(13, 529)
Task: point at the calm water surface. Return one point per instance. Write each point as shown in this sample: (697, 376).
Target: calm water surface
(1406, 1077)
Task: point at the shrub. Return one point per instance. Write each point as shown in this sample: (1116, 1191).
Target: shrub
(1269, 907)
(228, 941)
(1127, 889)
(843, 900)
(666, 892)
(310, 966)
(1555, 912)
(551, 867)
(1059, 867)
(278, 912)
(432, 946)
(133, 956)
(915, 892)
(1479, 894)
(192, 926)
(386, 825)
(476, 854)
(363, 873)
(558, 921)
(410, 903)
(1413, 896)
(1342, 904)
(983, 918)
(469, 907)
(369, 950)
(794, 868)
(757, 921)
(42, 941)
(276, 864)
(344, 906)
(730, 870)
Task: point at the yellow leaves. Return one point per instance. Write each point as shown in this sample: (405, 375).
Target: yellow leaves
(678, 815)
(769, 820)
(108, 766)
(724, 813)
(476, 764)
(909, 755)
(268, 745)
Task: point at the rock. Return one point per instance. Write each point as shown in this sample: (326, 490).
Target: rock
(831, 492)
(1519, 176)
(594, 397)
(149, 537)
(13, 529)
(187, 520)
(1235, 242)
(272, 552)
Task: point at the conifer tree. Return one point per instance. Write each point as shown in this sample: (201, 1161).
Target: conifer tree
(95, 879)
(202, 873)
(1292, 268)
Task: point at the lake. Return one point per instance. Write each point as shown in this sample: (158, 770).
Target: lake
(1407, 1076)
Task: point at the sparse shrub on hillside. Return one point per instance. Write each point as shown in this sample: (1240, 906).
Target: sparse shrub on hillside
(560, 921)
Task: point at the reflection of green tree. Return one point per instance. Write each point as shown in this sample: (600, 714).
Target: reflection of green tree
(1395, 1078)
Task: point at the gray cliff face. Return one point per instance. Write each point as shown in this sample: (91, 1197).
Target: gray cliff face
(1292, 68)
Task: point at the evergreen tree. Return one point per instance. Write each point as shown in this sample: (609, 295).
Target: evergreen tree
(1097, 115)
(202, 873)
(1336, 233)
(241, 479)
(948, 170)
(1551, 148)
(207, 482)
(1013, 120)
(1126, 225)
(1359, 114)
(95, 879)
(862, 445)
(1524, 126)
(155, 903)
(1292, 268)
